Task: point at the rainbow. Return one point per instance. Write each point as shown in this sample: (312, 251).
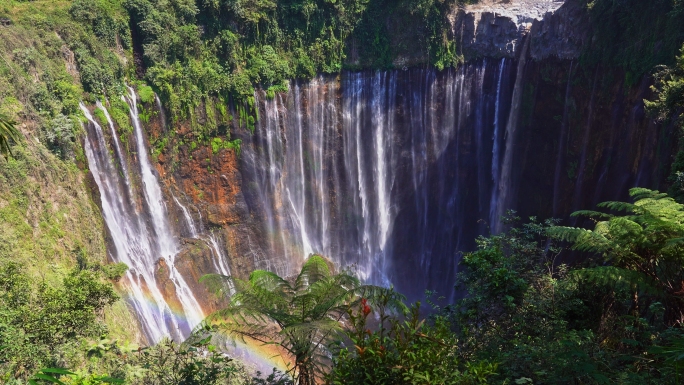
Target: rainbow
(255, 355)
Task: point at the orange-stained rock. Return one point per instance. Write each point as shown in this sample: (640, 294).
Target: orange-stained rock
(213, 180)
(165, 285)
(194, 261)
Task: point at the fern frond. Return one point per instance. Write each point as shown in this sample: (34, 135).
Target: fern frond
(591, 214)
(638, 193)
(377, 295)
(8, 134)
(564, 233)
(315, 268)
(583, 240)
(624, 227)
(269, 281)
(612, 276)
(618, 206)
(305, 330)
(675, 241)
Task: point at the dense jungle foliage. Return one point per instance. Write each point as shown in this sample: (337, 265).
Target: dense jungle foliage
(616, 23)
(614, 318)
(198, 53)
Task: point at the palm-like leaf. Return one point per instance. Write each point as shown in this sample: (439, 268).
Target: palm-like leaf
(591, 214)
(8, 135)
(314, 269)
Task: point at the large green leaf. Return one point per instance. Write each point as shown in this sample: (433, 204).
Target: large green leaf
(8, 135)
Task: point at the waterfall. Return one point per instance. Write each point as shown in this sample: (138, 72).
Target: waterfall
(385, 171)
(117, 145)
(140, 231)
(188, 219)
(219, 260)
(561, 145)
(166, 241)
(131, 241)
(391, 173)
(585, 146)
(505, 181)
(218, 256)
(496, 148)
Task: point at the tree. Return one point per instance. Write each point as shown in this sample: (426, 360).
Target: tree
(301, 315)
(521, 311)
(8, 134)
(643, 248)
(38, 321)
(669, 89)
(669, 104)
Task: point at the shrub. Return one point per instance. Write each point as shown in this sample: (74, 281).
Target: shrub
(146, 94)
(60, 135)
(36, 323)
(403, 349)
(114, 271)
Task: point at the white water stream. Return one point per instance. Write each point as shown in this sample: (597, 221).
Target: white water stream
(140, 231)
(360, 170)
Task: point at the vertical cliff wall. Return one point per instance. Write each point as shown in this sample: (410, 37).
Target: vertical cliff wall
(394, 173)
(397, 172)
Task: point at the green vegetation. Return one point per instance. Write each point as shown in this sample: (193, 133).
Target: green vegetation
(643, 249)
(49, 231)
(8, 135)
(146, 94)
(404, 349)
(603, 321)
(191, 363)
(218, 143)
(613, 317)
(300, 316)
(37, 325)
(61, 325)
(215, 51)
(114, 271)
(527, 318)
(669, 107)
(54, 54)
(634, 35)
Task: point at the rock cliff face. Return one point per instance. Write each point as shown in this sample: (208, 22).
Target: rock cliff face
(497, 28)
(397, 172)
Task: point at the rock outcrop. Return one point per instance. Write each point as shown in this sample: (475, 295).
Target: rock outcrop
(495, 29)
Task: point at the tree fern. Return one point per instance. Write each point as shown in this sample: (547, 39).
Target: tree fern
(615, 277)
(618, 206)
(644, 246)
(301, 316)
(591, 214)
